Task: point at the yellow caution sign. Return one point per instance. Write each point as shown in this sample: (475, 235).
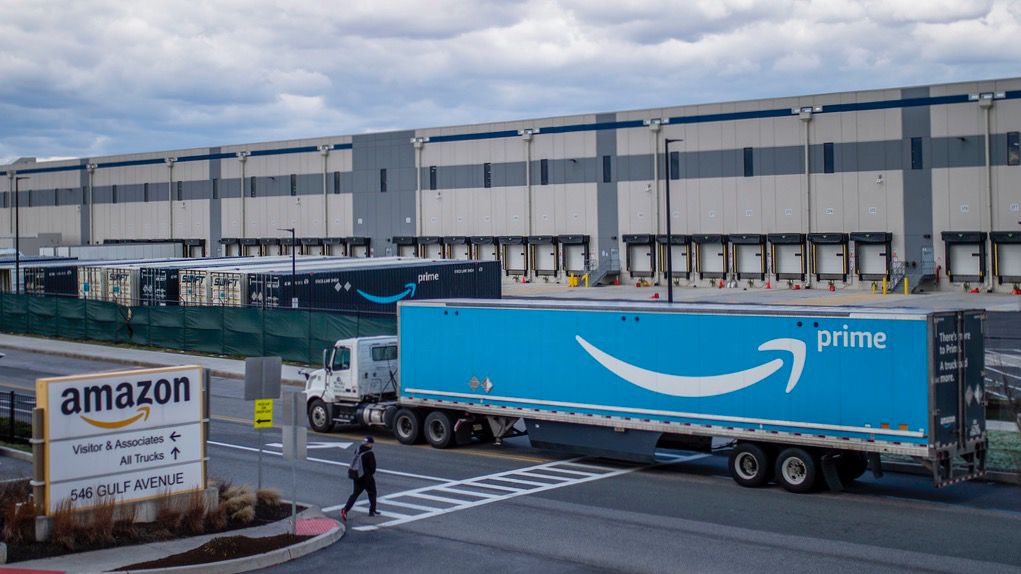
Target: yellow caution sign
(263, 418)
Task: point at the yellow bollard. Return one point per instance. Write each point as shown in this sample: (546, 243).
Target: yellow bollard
(906, 291)
(874, 287)
(586, 280)
(884, 285)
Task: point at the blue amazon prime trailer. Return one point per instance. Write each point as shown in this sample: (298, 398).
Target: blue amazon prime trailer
(809, 395)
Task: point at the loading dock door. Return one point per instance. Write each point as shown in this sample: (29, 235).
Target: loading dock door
(872, 261)
(545, 255)
(430, 247)
(749, 256)
(457, 248)
(335, 247)
(1006, 256)
(485, 249)
(965, 255)
(358, 247)
(965, 261)
(829, 256)
(788, 255)
(641, 258)
(710, 256)
(872, 254)
(514, 255)
(679, 253)
(406, 246)
(574, 250)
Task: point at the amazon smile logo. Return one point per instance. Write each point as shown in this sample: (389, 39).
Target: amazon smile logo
(409, 292)
(100, 405)
(708, 386)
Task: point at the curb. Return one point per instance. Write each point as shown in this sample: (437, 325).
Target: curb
(16, 454)
(254, 562)
(140, 363)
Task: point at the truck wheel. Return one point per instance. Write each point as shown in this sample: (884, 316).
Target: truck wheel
(408, 426)
(439, 429)
(750, 465)
(850, 467)
(319, 416)
(796, 470)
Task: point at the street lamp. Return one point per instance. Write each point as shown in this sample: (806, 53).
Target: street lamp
(17, 237)
(294, 286)
(669, 216)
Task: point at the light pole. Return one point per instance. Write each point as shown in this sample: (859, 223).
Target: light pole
(17, 237)
(669, 216)
(294, 287)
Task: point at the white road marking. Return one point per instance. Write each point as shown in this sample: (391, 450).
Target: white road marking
(315, 445)
(424, 493)
(330, 462)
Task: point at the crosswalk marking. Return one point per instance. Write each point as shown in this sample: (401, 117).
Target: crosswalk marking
(519, 481)
(419, 498)
(466, 492)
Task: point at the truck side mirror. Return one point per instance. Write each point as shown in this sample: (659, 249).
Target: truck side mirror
(326, 363)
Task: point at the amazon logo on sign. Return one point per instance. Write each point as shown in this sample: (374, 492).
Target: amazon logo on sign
(96, 404)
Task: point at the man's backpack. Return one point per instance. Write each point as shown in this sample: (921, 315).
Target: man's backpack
(355, 471)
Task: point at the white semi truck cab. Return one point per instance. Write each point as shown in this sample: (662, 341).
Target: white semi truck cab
(357, 384)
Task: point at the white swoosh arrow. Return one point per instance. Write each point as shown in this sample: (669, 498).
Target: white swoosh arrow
(682, 386)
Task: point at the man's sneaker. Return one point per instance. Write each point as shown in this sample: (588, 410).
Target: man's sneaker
(343, 515)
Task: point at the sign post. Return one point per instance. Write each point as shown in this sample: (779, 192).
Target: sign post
(294, 444)
(124, 436)
(262, 382)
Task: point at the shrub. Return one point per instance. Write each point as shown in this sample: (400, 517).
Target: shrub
(216, 519)
(124, 526)
(66, 526)
(244, 516)
(168, 515)
(194, 514)
(19, 522)
(101, 522)
(268, 497)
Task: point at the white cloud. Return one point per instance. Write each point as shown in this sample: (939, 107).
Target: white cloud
(105, 76)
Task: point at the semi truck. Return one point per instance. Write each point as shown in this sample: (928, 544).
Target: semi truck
(803, 396)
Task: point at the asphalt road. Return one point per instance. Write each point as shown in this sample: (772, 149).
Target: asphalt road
(591, 515)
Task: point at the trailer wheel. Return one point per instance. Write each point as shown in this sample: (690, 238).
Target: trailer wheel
(796, 470)
(319, 416)
(439, 429)
(407, 426)
(850, 467)
(750, 465)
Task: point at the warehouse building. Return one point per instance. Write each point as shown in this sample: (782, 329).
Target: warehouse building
(844, 189)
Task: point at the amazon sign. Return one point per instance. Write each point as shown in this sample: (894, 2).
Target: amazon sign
(126, 435)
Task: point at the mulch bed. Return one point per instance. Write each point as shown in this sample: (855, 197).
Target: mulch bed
(141, 533)
(218, 549)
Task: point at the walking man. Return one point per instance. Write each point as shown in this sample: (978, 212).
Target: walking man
(362, 471)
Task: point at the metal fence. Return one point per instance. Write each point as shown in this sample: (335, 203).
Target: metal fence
(16, 416)
(295, 334)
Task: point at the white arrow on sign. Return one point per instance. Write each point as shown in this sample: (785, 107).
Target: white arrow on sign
(315, 445)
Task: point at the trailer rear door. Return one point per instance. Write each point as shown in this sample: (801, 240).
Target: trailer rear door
(957, 431)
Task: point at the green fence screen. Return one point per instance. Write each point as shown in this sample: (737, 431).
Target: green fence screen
(294, 334)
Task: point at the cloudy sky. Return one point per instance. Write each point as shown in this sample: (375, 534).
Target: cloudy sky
(99, 77)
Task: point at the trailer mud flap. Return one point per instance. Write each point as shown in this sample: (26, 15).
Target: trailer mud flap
(621, 444)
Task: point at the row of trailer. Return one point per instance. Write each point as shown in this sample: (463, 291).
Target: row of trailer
(860, 256)
(307, 282)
